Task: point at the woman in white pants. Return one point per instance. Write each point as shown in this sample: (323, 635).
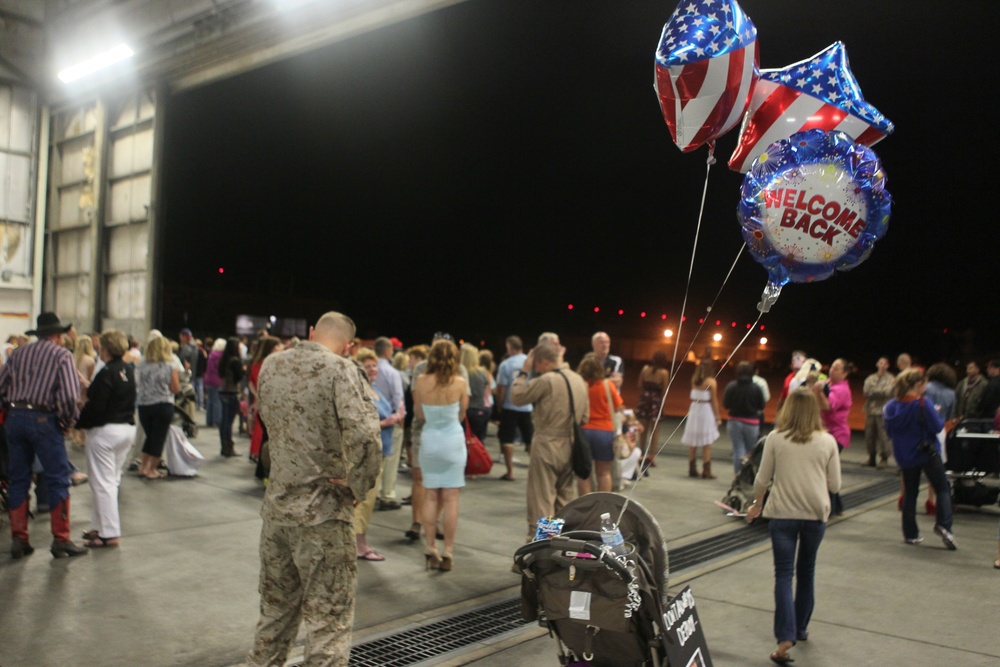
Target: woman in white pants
(109, 417)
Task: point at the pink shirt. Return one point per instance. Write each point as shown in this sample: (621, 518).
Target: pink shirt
(835, 419)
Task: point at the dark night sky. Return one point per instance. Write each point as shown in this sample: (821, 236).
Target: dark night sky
(478, 168)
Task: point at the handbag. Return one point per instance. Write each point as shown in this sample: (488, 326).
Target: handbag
(580, 455)
(928, 443)
(620, 445)
(479, 461)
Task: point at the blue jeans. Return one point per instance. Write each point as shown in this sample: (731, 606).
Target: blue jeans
(30, 434)
(744, 436)
(792, 614)
(213, 408)
(199, 391)
(230, 406)
(934, 470)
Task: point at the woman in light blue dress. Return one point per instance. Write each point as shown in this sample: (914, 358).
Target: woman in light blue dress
(440, 399)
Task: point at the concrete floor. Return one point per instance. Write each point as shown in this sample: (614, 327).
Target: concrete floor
(181, 590)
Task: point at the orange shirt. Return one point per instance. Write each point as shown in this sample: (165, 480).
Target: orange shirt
(600, 416)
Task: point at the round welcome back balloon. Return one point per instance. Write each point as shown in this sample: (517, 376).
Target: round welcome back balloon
(810, 205)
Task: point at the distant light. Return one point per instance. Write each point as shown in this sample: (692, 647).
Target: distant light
(749, 326)
(718, 322)
(763, 340)
(482, 343)
(597, 309)
(221, 270)
(684, 319)
(273, 319)
(570, 306)
(642, 314)
(946, 331)
(663, 316)
(701, 320)
(734, 324)
(621, 312)
(762, 327)
(117, 54)
(461, 341)
(668, 333)
(717, 337)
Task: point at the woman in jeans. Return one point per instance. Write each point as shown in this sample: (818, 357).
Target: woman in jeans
(213, 408)
(231, 372)
(599, 430)
(801, 465)
(745, 402)
(913, 423)
(157, 381)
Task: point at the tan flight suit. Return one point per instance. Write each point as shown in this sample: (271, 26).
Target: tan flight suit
(551, 483)
(322, 425)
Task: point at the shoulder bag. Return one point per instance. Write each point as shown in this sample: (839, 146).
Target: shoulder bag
(581, 456)
(479, 461)
(928, 443)
(620, 445)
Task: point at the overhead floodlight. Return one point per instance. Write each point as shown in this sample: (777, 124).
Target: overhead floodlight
(117, 54)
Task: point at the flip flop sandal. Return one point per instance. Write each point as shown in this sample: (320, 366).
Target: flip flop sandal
(372, 555)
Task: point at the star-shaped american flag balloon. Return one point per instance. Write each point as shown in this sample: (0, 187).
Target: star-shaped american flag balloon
(818, 93)
(706, 66)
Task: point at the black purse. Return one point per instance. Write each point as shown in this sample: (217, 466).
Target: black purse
(581, 456)
(927, 444)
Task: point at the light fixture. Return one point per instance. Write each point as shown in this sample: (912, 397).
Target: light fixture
(667, 333)
(717, 337)
(763, 340)
(106, 59)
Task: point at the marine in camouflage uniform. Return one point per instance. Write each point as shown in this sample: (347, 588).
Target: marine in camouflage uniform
(325, 456)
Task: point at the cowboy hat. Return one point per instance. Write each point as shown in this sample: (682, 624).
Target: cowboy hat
(47, 324)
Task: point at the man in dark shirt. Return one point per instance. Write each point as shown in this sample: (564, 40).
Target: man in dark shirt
(41, 386)
(990, 402)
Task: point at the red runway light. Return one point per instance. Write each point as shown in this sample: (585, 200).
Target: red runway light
(597, 309)
(621, 312)
(570, 306)
(642, 314)
(221, 270)
(718, 322)
(663, 316)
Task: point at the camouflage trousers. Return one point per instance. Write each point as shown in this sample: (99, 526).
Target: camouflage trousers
(307, 574)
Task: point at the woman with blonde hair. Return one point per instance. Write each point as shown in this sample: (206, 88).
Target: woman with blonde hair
(85, 358)
(481, 387)
(801, 467)
(109, 419)
(157, 381)
(913, 423)
(703, 421)
(440, 401)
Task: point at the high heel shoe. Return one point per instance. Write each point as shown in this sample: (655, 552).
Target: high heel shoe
(445, 564)
(433, 560)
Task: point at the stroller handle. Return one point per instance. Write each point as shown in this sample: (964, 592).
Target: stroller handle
(555, 546)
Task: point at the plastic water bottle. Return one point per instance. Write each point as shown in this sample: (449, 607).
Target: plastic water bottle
(611, 536)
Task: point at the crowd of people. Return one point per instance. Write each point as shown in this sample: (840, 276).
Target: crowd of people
(331, 421)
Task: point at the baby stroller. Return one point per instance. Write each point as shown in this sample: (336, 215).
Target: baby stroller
(184, 405)
(740, 494)
(602, 609)
(973, 456)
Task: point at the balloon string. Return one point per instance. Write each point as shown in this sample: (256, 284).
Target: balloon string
(642, 469)
(670, 382)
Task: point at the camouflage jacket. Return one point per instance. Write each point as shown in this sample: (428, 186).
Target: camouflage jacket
(322, 425)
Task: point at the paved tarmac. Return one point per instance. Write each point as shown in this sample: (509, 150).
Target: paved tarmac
(181, 590)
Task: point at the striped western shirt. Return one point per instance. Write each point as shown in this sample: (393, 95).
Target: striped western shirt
(44, 374)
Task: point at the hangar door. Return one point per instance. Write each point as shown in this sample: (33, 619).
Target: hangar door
(18, 178)
(100, 240)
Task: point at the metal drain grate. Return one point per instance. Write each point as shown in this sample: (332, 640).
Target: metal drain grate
(420, 644)
(428, 641)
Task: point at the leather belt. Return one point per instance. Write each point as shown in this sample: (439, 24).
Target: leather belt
(30, 406)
